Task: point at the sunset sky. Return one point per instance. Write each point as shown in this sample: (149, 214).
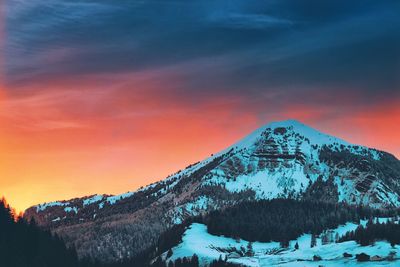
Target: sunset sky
(104, 96)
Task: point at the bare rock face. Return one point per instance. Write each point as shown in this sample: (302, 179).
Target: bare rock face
(280, 160)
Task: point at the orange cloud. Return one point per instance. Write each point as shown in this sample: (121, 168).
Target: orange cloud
(65, 143)
(67, 138)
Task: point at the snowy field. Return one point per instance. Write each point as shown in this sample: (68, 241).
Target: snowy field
(197, 240)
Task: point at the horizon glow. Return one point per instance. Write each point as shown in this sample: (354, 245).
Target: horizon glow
(99, 97)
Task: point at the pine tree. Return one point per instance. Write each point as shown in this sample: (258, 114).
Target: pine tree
(195, 261)
(23, 244)
(250, 251)
(169, 254)
(337, 237)
(313, 240)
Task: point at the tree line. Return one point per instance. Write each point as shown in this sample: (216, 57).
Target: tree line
(23, 244)
(193, 262)
(281, 220)
(374, 231)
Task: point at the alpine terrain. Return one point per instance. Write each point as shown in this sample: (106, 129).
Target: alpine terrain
(285, 159)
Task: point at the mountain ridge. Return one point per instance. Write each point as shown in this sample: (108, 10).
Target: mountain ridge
(279, 160)
(239, 144)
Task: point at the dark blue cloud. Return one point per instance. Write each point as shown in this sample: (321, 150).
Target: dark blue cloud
(243, 47)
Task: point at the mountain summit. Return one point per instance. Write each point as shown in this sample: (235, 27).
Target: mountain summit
(284, 159)
(313, 135)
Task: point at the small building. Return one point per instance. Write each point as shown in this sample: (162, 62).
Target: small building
(376, 258)
(347, 255)
(316, 258)
(362, 257)
(233, 255)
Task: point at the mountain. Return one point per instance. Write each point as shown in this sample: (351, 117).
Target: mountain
(280, 160)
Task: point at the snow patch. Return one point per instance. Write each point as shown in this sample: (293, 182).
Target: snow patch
(94, 199)
(112, 200)
(70, 209)
(42, 207)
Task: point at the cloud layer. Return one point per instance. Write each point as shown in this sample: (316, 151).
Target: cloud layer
(248, 45)
(97, 88)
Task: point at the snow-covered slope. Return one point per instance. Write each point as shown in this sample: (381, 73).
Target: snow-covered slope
(279, 160)
(196, 240)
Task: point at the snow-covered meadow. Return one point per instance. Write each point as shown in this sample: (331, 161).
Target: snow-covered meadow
(196, 240)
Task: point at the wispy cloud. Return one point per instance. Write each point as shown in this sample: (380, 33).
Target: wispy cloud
(249, 21)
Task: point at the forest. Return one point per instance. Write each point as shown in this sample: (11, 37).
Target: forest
(282, 220)
(374, 231)
(24, 244)
(278, 220)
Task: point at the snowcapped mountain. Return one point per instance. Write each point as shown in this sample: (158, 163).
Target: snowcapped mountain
(280, 160)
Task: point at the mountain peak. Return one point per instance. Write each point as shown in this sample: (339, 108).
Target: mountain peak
(286, 123)
(291, 126)
(315, 136)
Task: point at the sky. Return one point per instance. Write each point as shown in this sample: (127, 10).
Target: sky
(104, 96)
